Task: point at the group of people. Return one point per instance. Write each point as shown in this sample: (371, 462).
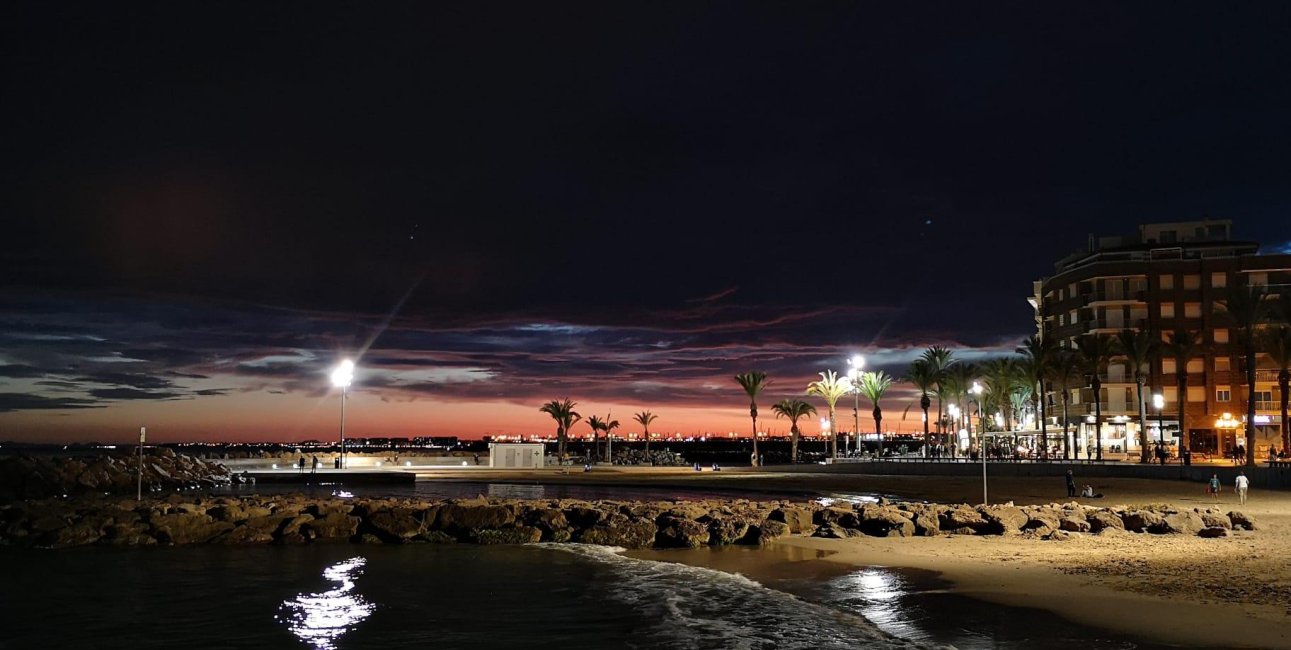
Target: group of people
(1241, 485)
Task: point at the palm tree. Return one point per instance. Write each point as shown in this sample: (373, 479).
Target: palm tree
(939, 359)
(597, 424)
(608, 426)
(1182, 346)
(924, 376)
(956, 380)
(794, 409)
(1065, 373)
(1037, 363)
(644, 418)
(1095, 352)
(1000, 377)
(562, 411)
(873, 386)
(1247, 309)
(1277, 344)
(753, 383)
(831, 388)
(1139, 347)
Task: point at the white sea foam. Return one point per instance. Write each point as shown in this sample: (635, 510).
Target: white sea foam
(703, 608)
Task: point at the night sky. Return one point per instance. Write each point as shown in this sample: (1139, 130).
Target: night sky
(490, 205)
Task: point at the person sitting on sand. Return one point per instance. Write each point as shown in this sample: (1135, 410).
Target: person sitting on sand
(1088, 493)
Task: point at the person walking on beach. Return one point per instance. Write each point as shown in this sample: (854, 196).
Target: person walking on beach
(300, 465)
(1242, 484)
(313, 468)
(1213, 487)
(1071, 484)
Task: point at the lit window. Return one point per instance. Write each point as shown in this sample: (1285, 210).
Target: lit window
(1223, 395)
(1167, 310)
(1221, 335)
(1219, 280)
(1192, 310)
(1222, 364)
(1192, 282)
(1167, 282)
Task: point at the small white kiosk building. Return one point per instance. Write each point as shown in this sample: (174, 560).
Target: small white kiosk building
(516, 455)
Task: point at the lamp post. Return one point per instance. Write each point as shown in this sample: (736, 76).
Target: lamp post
(1158, 401)
(976, 390)
(143, 434)
(341, 378)
(857, 362)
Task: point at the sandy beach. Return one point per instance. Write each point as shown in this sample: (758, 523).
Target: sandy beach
(1172, 589)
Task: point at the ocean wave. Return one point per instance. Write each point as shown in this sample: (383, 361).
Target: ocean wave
(696, 607)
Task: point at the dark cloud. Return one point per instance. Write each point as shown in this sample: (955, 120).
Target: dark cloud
(29, 402)
(19, 371)
(131, 394)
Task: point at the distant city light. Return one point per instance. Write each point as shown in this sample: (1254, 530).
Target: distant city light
(343, 375)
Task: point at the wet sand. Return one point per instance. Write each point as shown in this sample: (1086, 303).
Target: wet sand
(1181, 590)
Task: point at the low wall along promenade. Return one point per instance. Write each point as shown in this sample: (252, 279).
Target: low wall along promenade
(1261, 476)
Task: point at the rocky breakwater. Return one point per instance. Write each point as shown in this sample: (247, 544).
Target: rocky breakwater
(39, 477)
(178, 520)
(1051, 522)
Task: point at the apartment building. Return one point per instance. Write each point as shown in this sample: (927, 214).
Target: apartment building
(1167, 276)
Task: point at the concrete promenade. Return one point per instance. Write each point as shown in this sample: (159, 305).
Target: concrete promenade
(1261, 476)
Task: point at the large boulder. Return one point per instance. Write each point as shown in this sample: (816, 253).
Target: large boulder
(768, 532)
(1100, 520)
(961, 520)
(1075, 525)
(1003, 519)
(467, 517)
(681, 533)
(391, 525)
(727, 530)
(516, 535)
(1141, 521)
(1185, 522)
(1044, 521)
(618, 530)
(1241, 520)
(886, 521)
(181, 528)
(798, 519)
(1213, 532)
(1215, 519)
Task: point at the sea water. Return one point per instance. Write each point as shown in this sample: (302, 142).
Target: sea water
(328, 597)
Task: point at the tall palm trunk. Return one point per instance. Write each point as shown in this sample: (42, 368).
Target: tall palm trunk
(941, 430)
(1098, 416)
(833, 434)
(560, 442)
(753, 411)
(1250, 402)
(1181, 379)
(794, 442)
(1143, 422)
(647, 437)
(925, 404)
(878, 427)
(1066, 426)
(1284, 381)
(1044, 431)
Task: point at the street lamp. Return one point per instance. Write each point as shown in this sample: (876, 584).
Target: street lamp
(857, 362)
(976, 390)
(953, 411)
(341, 378)
(1158, 401)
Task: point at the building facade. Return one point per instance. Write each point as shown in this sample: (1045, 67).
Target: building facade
(1165, 277)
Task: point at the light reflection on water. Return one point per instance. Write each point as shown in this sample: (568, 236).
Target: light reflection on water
(319, 619)
(876, 593)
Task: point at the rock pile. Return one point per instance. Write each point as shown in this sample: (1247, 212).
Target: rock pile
(177, 519)
(39, 477)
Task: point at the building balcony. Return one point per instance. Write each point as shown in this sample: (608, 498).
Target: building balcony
(1268, 405)
(1114, 296)
(1109, 325)
(1268, 375)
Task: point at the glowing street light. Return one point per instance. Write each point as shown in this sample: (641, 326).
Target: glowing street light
(856, 363)
(976, 390)
(342, 376)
